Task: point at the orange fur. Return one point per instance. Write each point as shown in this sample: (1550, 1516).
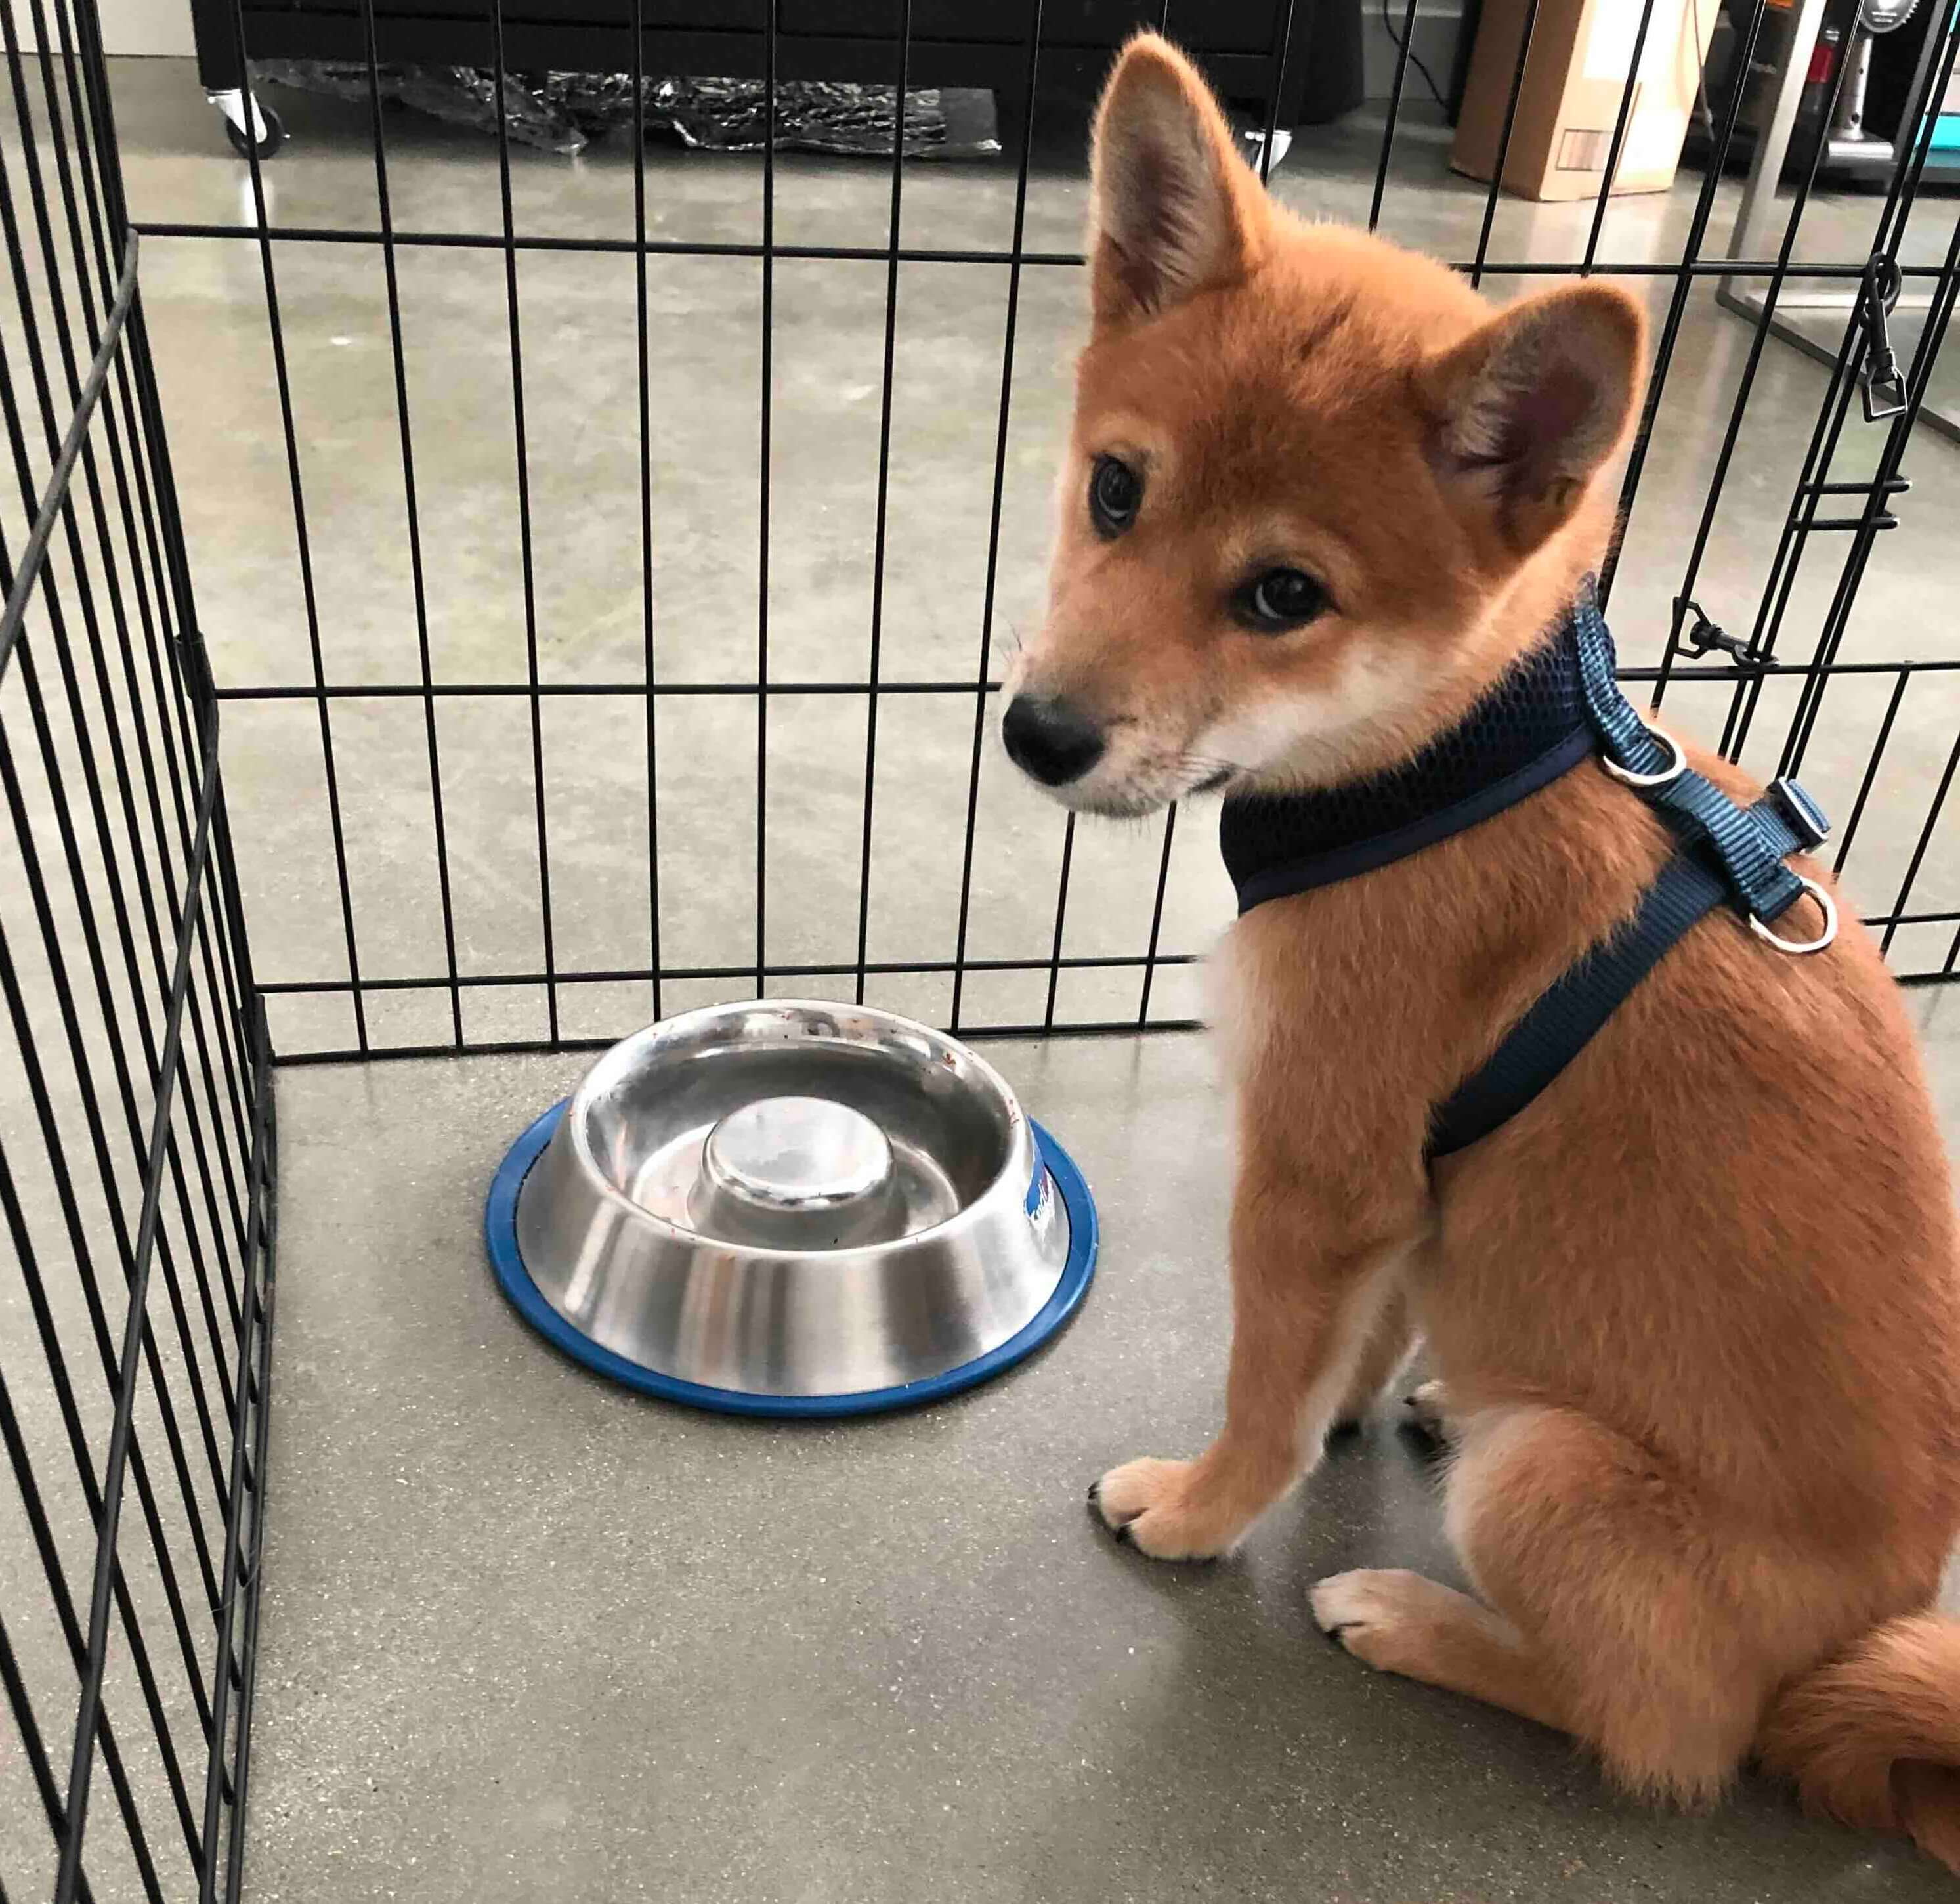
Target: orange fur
(1696, 1307)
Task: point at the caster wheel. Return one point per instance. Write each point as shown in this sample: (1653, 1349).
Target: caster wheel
(274, 135)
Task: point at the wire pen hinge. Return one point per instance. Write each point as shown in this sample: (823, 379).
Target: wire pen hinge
(1702, 637)
(194, 664)
(1880, 383)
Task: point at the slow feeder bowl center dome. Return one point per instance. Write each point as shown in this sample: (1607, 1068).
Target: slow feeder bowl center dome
(792, 1207)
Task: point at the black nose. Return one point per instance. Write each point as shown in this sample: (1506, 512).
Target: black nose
(1050, 739)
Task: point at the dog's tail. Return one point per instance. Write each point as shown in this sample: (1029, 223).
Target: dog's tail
(1872, 1737)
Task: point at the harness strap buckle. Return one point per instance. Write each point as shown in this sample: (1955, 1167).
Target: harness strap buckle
(1802, 948)
(1749, 846)
(1648, 783)
(1804, 818)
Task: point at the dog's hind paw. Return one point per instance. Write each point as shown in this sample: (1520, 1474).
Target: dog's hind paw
(1391, 1618)
(1428, 1413)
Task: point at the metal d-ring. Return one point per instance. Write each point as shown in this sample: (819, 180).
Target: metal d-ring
(1672, 771)
(1798, 949)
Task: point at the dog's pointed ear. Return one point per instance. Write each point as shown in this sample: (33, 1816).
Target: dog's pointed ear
(1175, 209)
(1530, 405)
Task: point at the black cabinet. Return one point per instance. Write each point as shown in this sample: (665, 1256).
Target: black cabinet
(953, 43)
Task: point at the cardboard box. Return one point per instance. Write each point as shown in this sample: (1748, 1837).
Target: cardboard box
(1581, 52)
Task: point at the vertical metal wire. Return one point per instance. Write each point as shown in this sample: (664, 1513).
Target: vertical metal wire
(1619, 139)
(1934, 809)
(1504, 141)
(1278, 57)
(303, 550)
(1156, 918)
(884, 490)
(765, 434)
(1060, 922)
(1014, 259)
(1883, 739)
(238, 1615)
(1403, 53)
(644, 381)
(412, 524)
(525, 552)
(1684, 279)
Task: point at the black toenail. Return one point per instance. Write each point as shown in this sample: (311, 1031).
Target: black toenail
(1095, 1491)
(1334, 1632)
(1121, 1531)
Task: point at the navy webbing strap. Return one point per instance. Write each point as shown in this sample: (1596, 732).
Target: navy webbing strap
(1751, 857)
(1564, 1020)
(1727, 851)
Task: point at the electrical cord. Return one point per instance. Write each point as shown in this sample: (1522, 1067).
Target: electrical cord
(1414, 59)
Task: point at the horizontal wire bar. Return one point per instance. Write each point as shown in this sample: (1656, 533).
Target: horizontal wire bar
(664, 247)
(659, 690)
(33, 552)
(927, 254)
(1722, 672)
(543, 1047)
(642, 975)
(876, 969)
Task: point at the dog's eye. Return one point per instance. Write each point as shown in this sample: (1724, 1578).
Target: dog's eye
(1282, 599)
(1115, 490)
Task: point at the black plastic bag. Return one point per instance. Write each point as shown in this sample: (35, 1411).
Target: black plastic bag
(561, 112)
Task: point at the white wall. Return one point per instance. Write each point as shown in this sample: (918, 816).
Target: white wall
(146, 26)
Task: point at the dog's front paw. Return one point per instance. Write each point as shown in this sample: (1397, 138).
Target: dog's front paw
(1149, 1504)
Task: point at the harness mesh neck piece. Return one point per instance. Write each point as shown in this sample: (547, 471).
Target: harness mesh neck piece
(1527, 730)
(1559, 705)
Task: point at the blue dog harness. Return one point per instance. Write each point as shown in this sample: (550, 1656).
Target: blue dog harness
(1558, 706)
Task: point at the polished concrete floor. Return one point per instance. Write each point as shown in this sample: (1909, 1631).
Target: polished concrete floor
(528, 1637)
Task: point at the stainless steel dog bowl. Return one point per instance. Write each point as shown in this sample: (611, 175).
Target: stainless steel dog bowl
(792, 1207)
